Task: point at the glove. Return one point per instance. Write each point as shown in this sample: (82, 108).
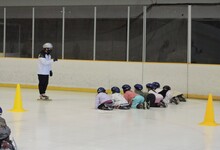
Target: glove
(55, 59)
(51, 73)
(5, 145)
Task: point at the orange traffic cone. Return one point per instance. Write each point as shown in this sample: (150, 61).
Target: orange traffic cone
(209, 119)
(18, 101)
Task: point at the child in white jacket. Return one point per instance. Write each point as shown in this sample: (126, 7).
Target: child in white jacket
(119, 101)
(103, 100)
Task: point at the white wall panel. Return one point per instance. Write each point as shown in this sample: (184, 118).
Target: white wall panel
(171, 74)
(204, 79)
(92, 74)
(83, 74)
(18, 71)
(191, 79)
(125, 73)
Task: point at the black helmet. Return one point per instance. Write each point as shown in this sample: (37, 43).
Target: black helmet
(101, 90)
(167, 88)
(126, 87)
(138, 87)
(115, 89)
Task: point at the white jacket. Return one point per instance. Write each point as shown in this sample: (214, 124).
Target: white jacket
(118, 99)
(44, 65)
(101, 98)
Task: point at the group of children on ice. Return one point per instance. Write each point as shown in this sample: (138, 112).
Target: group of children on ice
(155, 96)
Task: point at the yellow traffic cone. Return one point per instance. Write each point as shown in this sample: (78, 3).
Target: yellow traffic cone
(18, 101)
(209, 119)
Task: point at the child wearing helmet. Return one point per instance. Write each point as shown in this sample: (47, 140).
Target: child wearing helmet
(119, 101)
(138, 90)
(103, 100)
(168, 95)
(164, 92)
(44, 69)
(157, 99)
(134, 100)
(5, 131)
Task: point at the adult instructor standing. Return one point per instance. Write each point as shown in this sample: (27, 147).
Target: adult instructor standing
(45, 69)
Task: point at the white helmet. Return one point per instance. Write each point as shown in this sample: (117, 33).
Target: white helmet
(48, 45)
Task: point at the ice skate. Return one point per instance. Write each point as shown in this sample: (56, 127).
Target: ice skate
(148, 105)
(124, 107)
(107, 108)
(174, 100)
(177, 101)
(110, 108)
(162, 104)
(44, 97)
(181, 99)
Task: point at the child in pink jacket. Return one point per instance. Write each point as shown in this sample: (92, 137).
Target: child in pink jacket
(135, 100)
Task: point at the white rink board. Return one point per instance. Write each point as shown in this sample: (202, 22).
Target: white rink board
(174, 75)
(191, 79)
(204, 79)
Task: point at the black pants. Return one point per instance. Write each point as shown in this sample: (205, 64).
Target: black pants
(151, 98)
(43, 82)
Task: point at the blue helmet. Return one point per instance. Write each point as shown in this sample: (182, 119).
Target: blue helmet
(115, 89)
(150, 86)
(101, 90)
(138, 87)
(126, 87)
(156, 84)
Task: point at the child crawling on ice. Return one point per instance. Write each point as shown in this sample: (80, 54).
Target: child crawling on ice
(103, 100)
(119, 101)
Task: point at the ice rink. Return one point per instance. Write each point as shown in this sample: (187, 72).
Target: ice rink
(70, 122)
